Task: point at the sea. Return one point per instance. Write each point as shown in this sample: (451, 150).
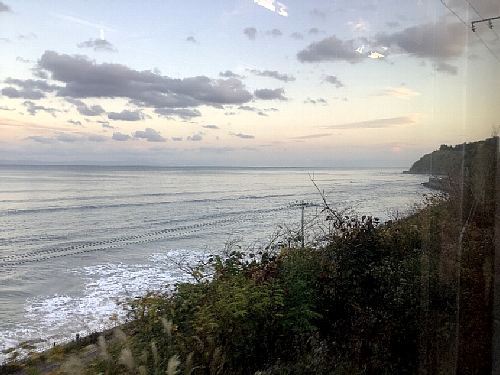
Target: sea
(78, 241)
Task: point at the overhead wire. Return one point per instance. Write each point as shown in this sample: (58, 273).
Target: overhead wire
(469, 27)
(474, 9)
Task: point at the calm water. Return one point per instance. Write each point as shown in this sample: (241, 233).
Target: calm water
(74, 240)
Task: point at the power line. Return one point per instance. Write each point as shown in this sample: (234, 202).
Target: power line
(491, 26)
(472, 28)
(456, 15)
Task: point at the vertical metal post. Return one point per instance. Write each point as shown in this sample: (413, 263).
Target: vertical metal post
(302, 226)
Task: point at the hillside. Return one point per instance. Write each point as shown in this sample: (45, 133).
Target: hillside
(449, 160)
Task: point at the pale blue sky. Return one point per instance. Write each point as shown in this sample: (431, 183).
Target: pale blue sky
(346, 83)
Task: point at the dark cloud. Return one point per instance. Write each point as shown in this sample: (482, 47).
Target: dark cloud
(272, 74)
(270, 94)
(316, 101)
(13, 93)
(32, 108)
(313, 31)
(195, 138)
(210, 126)
(121, 137)
(183, 113)
(250, 32)
(297, 36)
(150, 135)
(380, 123)
(318, 14)
(28, 89)
(40, 139)
(73, 122)
(85, 79)
(274, 32)
(96, 138)
(191, 39)
(68, 138)
(126, 115)
(334, 81)
(244, 136)
(330, 49)
(98, 45)
(4, 7)
(260, 113)
(177, 139)
(446, 68)
(84, 109)
(247, 108)
(434, 41)
(229, 74)
(393, 25)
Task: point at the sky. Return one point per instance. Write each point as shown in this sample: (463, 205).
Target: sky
(245, 82)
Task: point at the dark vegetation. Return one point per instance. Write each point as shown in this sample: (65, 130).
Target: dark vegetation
(410, 296)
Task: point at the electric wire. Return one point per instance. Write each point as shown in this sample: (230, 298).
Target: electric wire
(474, 9)
(469, 27)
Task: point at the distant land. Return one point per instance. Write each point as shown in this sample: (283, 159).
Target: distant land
(452, 161)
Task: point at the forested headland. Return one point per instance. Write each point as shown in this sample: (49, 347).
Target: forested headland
(414, 295)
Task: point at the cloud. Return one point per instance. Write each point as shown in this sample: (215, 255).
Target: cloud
(4, 7)
(360, 26)
(29, 89)
(183, 113)
(98, 45)
(250, 32)
(96, 138)
(67, 138)
(73, 122)
(191, 39)
(86, 79)
(297, 36)
(274, 32)
(380, 123)
(316, 13)
(269, 94)
(150, 135)
(260, 113)
(316, 101)
(247, 108)
(176, 139)
(5, 108)
(210, 126)
(19, 58)
(195, 138)
(313, 31)
(121, 137)
(126, 115)
(330, 49)
(243, 136)
(105, 124)
(84, 109)
(229, 74)
(14, 93)
(40, 139)
(393, 25)
(334, 81)
(313, 136)
(33, 108)
(273, 6)
(396, 92)
(435, 41)
(272, 74)
(446, 68)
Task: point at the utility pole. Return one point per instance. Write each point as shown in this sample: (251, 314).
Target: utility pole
(302, 206)
(490, 24)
